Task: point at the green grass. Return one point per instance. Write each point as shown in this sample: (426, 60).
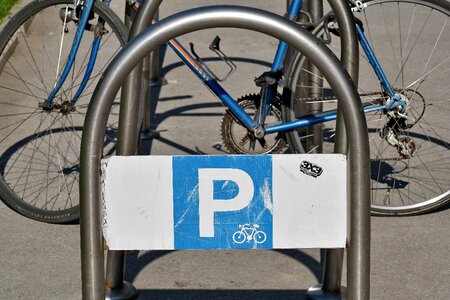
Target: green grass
(5, 6)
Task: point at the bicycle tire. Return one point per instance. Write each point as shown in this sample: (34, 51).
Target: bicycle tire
(39, 149)
(420, 183)
(260, 237)
(239, 237)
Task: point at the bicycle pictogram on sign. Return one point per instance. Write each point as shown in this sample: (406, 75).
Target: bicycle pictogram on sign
(248, 233)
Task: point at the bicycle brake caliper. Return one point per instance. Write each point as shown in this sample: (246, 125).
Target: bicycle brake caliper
(100, 30)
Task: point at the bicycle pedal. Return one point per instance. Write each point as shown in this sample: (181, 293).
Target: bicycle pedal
(215, 47)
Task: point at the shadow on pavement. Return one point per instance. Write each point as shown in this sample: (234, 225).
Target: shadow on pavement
(222, 294)
(135, 264)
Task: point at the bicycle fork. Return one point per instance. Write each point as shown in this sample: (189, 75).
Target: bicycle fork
(66, 16)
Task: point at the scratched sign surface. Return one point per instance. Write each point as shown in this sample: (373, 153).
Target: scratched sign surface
(224, 202)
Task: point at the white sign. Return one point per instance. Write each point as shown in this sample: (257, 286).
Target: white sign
(224, 202)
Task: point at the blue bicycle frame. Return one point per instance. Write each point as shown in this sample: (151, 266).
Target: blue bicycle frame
(303, 121)
(73, 52)
(217, 89)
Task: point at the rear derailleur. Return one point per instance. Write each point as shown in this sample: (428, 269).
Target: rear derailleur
(396, 125)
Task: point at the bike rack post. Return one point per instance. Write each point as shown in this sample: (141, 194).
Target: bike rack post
(117, 288)
(152, 80)
(333, 258)
(315, 8)
(333, 261)
(219, 16)
(150, 75)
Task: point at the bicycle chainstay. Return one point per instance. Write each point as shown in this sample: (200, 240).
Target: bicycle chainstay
(406, 146)
(330, 98)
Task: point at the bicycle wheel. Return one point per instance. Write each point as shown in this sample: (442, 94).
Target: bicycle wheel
(411, 40)
(239, 237)
(260, 237)
(39, 149)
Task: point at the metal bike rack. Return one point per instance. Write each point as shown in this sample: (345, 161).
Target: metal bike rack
(127, 141)
(333, 259)
(333, 262)
(228, 16)
(148, 72)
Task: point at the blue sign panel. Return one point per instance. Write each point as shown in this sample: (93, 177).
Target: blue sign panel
(222, 202)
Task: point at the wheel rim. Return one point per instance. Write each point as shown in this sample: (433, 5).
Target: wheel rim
(416, 59)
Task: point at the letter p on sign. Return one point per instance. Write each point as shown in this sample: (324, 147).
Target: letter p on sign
(208, 205)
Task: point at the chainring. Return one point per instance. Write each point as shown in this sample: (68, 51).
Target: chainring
(238, 140)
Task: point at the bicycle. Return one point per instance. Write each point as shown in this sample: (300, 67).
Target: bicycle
(409, 153)
(40, 140)
(404, 133)
(277, 109)
(247, 233)
(39, 149)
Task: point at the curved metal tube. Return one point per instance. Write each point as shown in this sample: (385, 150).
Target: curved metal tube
(349, 58)
(193, 20)
(333, 261)
(129, 127)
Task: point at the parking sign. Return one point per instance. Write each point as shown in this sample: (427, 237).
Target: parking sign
(224, 202)
(214, 193)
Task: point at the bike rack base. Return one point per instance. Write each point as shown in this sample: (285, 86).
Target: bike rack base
(128, 291)
(149, 135)
(158, 82)
(317, 293)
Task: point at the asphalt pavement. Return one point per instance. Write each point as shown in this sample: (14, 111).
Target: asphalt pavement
(409, 255)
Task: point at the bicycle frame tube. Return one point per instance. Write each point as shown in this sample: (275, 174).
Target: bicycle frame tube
(217, 89)
(373, 60)
(89, 68)
(331, 115)
(211, 83)
(73, 52)
(293, 12)
(92, 58)
(246, 120)
(309, 120)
